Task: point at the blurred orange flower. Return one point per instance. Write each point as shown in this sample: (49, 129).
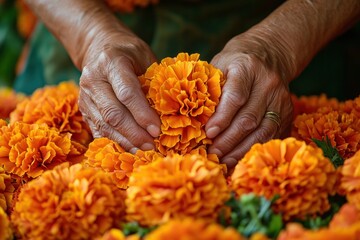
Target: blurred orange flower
(8, 101)
(185, 92)
(350, 179)
(176, 187)
(68, 203)
(27, 150)
(117, 234)
(298, 173)
(6, 190)
(193, 229)
(345, 217)
(5, 226)
(57, 106)
(109, 156)
(26, 19)
(294, 231)
(351, 106)
(128, 5)
(310, 104)
(342, 129)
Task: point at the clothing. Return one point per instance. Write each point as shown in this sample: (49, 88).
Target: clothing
(203, 27)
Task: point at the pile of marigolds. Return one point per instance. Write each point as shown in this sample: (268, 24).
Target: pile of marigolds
(57, 182)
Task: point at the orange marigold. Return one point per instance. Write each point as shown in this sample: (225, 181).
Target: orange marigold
(310, 104)
(348, 215)
(117, 234)
(109, 156)
(26, 19)
(57, 106)
(128, 5)
(350, 179)
(8, 101)
(184, 91)
(27, 150)
(193, 229)
(341, 128)
(6, 190)
(351, 106)
(5, 226)
(294, 231)
(289, 168)
(176, 186)
(68, 203)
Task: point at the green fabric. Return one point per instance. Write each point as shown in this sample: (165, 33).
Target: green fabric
(10, 44)
(203, 27)
(47, 63)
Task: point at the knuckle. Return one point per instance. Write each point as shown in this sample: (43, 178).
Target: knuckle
(104, 129)
(246, 123)
(113, 117)
(233, 99)
(263, 135)
(126, 94)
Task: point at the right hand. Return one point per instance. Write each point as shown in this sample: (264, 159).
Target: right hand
(111, 99)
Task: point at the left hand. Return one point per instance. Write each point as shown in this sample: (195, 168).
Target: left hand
(255, 84)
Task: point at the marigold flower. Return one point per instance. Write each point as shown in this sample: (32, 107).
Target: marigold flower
(176, 187)
(57, 106)
(27, 150)
(8, 101)
(6, 190)
(117, 234)
(184, 91)
(342, 129)
(109, 156)
(193, 229)
(128, 5)
(350, 179)
(26, 19)
(294, 231)
(348, 215)
(351, 106)
(310, 104)
(5, 226)
(68, 203)
(289, 168)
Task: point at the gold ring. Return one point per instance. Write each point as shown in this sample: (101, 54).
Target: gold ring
(274, 116)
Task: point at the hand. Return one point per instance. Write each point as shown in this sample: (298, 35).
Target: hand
(111, 99)
(254, 85)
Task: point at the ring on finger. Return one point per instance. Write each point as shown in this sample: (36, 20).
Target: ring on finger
(273, 116)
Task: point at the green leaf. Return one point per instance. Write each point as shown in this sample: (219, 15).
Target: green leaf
(329, 151)
(134, 228)
(323, 221)
(251, 214)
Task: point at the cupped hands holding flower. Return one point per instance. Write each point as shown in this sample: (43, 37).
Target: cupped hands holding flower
(258, 65)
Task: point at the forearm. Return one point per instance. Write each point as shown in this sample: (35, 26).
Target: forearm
(300, 28)
(76, 23)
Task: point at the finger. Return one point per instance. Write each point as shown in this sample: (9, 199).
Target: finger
(267, 130)
(235, 93)
(95, 132)
(127, 88)
(104, 126)
(245, 121)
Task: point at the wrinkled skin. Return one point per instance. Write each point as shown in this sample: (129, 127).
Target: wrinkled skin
(111, 98)
(258, 65)
(253, 86)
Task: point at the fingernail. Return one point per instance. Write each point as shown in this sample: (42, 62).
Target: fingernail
(153, 130)
(133, 150)
(216, 151)
(147, 146)
(212, 132)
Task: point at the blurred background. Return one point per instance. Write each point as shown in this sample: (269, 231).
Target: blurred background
(27, 49)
